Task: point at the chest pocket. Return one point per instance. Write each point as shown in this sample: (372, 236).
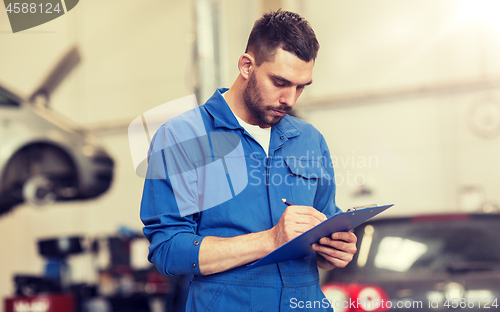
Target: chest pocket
(303, 178)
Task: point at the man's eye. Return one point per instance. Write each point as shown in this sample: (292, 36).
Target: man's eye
(279, 84)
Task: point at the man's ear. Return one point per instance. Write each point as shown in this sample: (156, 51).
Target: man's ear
(246, 65)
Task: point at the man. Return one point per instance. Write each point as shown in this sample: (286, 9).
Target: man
(284, 157)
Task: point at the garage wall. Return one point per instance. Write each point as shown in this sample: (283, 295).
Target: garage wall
(135, 56)
(416, 150)
(423, 153)
(426, 148)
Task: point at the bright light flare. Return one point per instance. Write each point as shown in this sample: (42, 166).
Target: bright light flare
(481, 11)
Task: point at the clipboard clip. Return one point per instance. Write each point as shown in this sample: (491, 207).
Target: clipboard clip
(361, 207)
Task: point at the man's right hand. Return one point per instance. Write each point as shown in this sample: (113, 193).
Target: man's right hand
(218, 254)
(295, 221)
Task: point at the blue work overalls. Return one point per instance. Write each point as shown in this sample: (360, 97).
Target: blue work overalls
(240, 193)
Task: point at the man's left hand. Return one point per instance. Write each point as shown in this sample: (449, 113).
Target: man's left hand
(335, 251)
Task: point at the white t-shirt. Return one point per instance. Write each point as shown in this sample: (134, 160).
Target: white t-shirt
(261, 135)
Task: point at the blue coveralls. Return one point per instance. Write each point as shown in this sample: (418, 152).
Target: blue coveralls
(298, 168)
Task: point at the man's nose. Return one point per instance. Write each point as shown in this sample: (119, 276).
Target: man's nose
(288, 96)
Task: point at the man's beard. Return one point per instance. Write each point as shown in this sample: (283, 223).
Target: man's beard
(255, 103)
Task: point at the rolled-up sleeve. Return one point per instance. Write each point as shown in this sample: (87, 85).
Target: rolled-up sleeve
(174, 242)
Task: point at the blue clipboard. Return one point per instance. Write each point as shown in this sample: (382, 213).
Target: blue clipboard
(300, 246)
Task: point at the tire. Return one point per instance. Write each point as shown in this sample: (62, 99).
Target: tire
(6, 207)
(38, 174)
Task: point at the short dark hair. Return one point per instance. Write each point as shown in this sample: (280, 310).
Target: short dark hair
(282, 29)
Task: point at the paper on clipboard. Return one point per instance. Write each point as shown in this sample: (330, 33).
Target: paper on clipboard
(300, 246)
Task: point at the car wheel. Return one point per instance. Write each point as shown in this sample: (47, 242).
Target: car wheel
(38, 174)
(39, 190)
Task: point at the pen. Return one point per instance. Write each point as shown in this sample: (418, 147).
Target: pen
(287, 202)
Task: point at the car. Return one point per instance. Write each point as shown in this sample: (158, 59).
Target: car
(426, 263)
(44, 158)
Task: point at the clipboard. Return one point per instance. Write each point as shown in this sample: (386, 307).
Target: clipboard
(300, 246)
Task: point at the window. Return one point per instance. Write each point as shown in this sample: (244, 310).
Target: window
(427, 247)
